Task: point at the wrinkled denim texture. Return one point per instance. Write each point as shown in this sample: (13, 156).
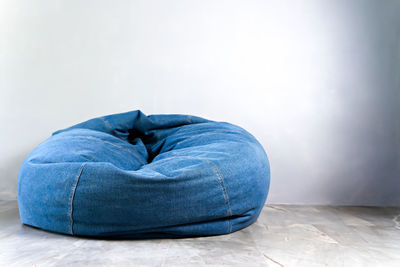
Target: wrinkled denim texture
(130, 175)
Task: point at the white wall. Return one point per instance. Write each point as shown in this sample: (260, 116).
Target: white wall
(317, 82)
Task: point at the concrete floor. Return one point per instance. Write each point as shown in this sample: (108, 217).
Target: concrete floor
(284, 235)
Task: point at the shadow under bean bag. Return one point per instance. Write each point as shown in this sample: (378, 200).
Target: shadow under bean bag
(130, 175)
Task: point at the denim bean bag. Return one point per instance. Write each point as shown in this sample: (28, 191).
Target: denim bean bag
(130, 175)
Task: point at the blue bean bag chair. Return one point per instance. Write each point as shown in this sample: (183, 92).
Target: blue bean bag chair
(130, 175)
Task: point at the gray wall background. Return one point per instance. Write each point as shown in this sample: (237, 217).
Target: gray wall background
(317, 82)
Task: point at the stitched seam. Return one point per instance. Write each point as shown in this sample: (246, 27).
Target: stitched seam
(197, 135)
(108, 125)
(107, 142)
(73, 196)
(221, 180)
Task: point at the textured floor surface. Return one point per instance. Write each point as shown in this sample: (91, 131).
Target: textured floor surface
(284, 235)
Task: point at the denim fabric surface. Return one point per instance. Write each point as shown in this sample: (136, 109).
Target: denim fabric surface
(130, 175)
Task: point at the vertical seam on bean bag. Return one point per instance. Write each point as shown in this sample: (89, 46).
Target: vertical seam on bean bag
(221, 180)
(73, 196)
